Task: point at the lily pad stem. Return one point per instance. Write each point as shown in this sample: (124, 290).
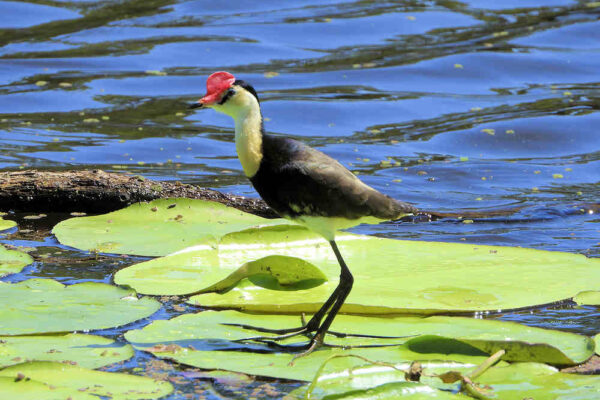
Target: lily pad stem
(471, 388)
(493, 359)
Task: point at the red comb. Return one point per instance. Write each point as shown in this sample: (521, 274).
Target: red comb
(216, 84)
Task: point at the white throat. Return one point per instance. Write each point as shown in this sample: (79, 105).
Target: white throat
(248, 136)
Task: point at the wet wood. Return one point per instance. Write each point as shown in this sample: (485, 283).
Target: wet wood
(97, 191)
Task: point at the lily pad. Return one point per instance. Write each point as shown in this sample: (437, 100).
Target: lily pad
(199, 340)
(391, 276)
(66, 377)
(379, 382)
(6, 224)
(277, 365)
(46, 306)
(33, 390)
(507, 382)
(12, 261)
(539, 381)
(195, 339)
(588, 298)
(185, 276)
(88, 351)
(157, 228)
(391, 391)
(422, 335)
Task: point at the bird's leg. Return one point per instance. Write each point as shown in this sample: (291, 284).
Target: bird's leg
(345, 286)
(314, 324)
(311, 326)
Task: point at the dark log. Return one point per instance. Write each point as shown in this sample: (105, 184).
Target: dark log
(99, 192)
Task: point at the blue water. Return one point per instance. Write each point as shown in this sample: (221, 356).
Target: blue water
(471, 106)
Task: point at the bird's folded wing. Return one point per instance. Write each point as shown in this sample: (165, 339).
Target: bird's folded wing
(308, 182)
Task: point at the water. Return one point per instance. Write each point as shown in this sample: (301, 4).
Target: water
(452, 106)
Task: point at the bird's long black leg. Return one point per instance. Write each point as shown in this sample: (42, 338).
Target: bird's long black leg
(314, 324)
(311, 326)
(341, 291)
(345, 286)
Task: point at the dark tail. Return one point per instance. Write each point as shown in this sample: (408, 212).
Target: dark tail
(505, 215)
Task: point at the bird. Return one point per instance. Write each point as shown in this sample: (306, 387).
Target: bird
(301, 184)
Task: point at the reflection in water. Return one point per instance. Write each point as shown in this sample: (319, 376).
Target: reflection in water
(450, 105)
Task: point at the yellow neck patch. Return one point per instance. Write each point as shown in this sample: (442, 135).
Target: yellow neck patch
(245, 110)
(248, 141)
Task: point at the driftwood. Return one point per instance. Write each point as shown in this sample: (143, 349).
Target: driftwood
(99, 192)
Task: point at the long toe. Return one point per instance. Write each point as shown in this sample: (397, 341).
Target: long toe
(265, 339)
(282, 332)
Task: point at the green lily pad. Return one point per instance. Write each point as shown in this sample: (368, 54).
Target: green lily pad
(66, 377)
(421, 335)
(185, 276)
(275, 272)
(588, 298)
(12, 261)
(195, 339)
(198, 340)
(6, 224)
(507, 382)
(33, 390)
(157, 228)
(277, 365)
(391, 276)
(46, 306)
(391, 391)
(539, 381)
(88, 351)
(378, 381)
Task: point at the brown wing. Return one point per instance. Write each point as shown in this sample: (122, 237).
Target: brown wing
(295, 179)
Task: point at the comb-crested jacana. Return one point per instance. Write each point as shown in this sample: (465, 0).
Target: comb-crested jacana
(301, 184)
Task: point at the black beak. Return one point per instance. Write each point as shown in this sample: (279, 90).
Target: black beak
(196, 105)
